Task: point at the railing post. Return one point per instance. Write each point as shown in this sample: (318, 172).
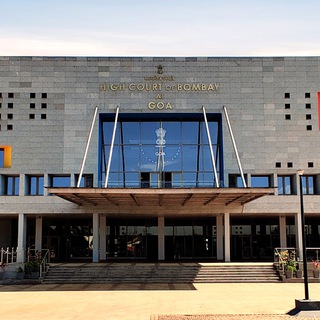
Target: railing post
(7, 255)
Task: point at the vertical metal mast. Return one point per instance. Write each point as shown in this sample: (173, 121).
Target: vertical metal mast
(87, 148)
(211, 149)
(111, 147)
(235, 147)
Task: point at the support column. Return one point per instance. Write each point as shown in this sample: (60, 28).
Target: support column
(219, 235)
(22, 237)
(103, 238)
(299, 235)
(283, 231)
(38, 236)
(227, 237)
(161, 253)
(95, 225)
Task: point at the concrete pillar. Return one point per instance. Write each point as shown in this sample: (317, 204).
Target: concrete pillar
(22, 237)
(227, 257)
(38, 236)
(283, 231)
(161, 246)
(299, 235)
(95, 225)
(103, 238)
(219, 235)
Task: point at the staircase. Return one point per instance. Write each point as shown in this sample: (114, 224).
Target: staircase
(237, 273)
(115, 273)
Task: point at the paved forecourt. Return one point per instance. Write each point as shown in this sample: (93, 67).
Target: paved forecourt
(153, 301)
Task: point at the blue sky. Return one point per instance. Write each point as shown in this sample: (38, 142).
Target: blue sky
(160, 28)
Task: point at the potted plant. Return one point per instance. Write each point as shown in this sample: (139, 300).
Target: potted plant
(291, 267)
(316, 269)
(32, 268)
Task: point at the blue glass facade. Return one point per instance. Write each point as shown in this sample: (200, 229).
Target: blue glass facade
(163, 151)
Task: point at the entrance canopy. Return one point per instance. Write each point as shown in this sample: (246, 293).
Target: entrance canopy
(161, 197)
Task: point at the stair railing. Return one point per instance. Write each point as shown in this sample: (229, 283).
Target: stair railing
(8, 255)
(282, 256)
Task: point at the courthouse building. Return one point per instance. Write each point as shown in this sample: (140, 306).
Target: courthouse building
(114, 158)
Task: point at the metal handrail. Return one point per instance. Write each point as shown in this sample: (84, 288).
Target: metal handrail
(7, 256)
(43, 256)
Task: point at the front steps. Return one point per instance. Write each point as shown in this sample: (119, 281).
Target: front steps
(68, 273)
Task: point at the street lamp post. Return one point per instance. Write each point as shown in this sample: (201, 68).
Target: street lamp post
(304, 251)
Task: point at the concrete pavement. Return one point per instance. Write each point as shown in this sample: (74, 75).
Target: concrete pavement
(153, 301)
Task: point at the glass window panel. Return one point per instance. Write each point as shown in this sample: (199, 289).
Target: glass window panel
(132, 180)
(36, 186)
(198, 230)
(148, 133)
(131, 156)
(1, 158)
(189, 155)
(172, 158)
(260, 181)
(190, 132)
(205, 162)
(177, 180)
(173, 132)
(148, 158)
(189, 179)
(183, 230)
(60, 181)
(130, 131)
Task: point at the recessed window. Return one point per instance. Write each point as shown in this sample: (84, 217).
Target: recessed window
(32, 95)
(309, 127)
(0, 105)
(310, 164)
(235, 181)
(35, 185)
(287, 106)
(285, 185)
(10, 116)
(0, 95)
(308, 116)
(278, 164)
(287, 95)
(308, 105)
(5, 156)
(307, 95)
(44, 95)
(11, 185)
(86, 180)
(260, 181)
(9, 127)
(10, 105)
(32, 116)
(288, 117)
(43, 116)
(32, 105)
(60, 181)
(290, 164)
(10, 95)
(43, 106)
(308, 184)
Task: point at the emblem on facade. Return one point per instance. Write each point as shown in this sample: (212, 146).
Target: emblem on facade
(160, 69)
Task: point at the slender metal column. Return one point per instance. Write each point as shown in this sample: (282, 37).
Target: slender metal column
(111, 147)
(211, 149)
(87, 147)
(235, 147)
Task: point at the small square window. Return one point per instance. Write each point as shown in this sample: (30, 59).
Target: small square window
(10, 116)
(0, 105)
(308, 105)
(9, 127)
(10, 95)
(307, 95)
(288, 117)
(10, 105)
(309, 127)
(278, 164)
(32, 95)
(32, 105)
(310, 164)
(44, 95)
(43, 106)
(308, 116)
(31, 116)
(0, 95)
(290, 165)
(0, 115)
(287, 106)
(287, 95)
(43, 116)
